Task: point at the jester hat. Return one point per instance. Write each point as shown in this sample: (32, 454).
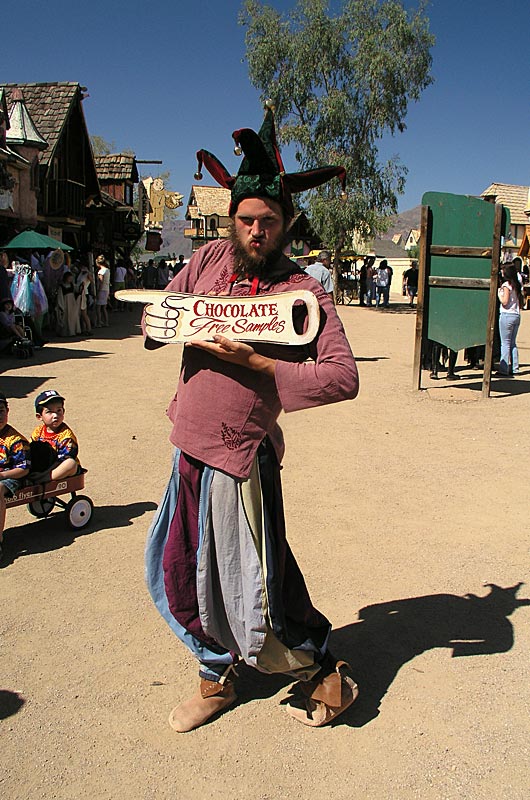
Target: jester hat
(262, 173)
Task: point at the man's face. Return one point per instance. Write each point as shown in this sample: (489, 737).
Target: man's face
(259, 227)
(52, 414)
(4, 413)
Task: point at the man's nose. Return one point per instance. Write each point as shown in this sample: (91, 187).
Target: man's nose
(256, 229)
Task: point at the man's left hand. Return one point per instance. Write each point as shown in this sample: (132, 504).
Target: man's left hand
(236, 353)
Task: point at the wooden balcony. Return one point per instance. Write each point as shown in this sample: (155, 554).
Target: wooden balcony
(64, 198)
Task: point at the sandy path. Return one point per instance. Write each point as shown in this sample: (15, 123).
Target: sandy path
(399, 504)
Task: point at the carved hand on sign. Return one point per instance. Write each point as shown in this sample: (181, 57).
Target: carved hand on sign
(177, 317)
(163, 315)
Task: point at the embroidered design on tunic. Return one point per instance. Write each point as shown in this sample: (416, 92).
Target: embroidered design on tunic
(221, 281)
(231, 437)
(297, 277)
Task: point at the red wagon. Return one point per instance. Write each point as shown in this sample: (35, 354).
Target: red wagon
(43, 498)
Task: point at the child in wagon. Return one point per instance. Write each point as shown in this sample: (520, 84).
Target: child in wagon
(61, 457)
(14, 461)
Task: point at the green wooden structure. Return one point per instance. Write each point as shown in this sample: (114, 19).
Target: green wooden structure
(459, 263)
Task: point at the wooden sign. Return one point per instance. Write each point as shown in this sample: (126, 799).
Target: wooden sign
(172, 317)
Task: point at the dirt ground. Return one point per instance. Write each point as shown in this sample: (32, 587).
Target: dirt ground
(402, 507)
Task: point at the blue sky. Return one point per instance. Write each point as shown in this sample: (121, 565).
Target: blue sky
(167, 78)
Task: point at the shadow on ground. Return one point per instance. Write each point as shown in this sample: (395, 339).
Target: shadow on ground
(10, 703)
(53, 533)
(49, 355)
(122, 326)
(389, 635)
(500, 386)
(393, 308)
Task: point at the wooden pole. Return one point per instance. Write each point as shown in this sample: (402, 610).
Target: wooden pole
(423, 278)
(492, 307)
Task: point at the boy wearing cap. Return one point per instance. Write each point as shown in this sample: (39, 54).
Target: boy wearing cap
(53, 431)
(14, 461)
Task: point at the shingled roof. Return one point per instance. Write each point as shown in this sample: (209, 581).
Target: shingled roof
(516, 198)
(116, 167)
(49, 105)
(209, 200)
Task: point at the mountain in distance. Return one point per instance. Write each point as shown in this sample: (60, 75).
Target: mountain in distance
(403, 223)
(173, 239)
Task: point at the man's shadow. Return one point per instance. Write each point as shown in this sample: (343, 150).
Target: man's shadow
(388, 635)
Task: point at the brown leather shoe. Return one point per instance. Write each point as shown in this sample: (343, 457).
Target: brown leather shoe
(324, 699)
(212, 698)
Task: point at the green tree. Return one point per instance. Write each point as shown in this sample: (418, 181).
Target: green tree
(339, 83)
(101, 147)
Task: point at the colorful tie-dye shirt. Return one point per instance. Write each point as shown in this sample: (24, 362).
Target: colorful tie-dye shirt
(14, 450)
(62, 440)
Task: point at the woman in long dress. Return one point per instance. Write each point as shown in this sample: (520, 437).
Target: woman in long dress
(67, 307)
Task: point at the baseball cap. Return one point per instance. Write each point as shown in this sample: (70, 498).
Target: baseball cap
(45, 397)
(3, 398)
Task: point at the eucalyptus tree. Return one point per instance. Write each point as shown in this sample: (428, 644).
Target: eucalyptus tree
(341, 77)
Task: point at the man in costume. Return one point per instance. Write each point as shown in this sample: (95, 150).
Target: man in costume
(218, 564)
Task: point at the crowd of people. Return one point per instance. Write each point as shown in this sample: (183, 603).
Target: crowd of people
(54, 293)
(49, 294)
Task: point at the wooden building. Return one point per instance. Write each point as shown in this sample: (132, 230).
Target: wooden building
(113, 222)
(18, 176)
(64, 173)
(516, 198)
(208, 215)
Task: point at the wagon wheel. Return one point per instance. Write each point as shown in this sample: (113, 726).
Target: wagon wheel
(41, 508)
(79, 511)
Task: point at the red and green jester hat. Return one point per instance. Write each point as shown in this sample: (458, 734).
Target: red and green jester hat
(262, 173)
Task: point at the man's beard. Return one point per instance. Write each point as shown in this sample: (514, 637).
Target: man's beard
(250, 265)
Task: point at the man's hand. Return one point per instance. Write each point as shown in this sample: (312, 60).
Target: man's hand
(236, 353)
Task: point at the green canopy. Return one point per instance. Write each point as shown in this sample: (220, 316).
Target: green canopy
(31, 240)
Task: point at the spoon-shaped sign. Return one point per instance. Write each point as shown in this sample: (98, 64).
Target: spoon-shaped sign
(172, 317)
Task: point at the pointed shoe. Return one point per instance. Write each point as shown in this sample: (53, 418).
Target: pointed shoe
(324, 699)
(211, 699)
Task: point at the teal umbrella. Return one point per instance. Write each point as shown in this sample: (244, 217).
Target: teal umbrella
(31, 240)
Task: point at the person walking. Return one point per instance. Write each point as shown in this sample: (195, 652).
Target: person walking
(410, 282)
(319, 270)
(382, 282)
(103, 289)
(511, 299)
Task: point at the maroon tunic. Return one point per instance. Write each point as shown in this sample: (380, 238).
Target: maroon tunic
(221, 412)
